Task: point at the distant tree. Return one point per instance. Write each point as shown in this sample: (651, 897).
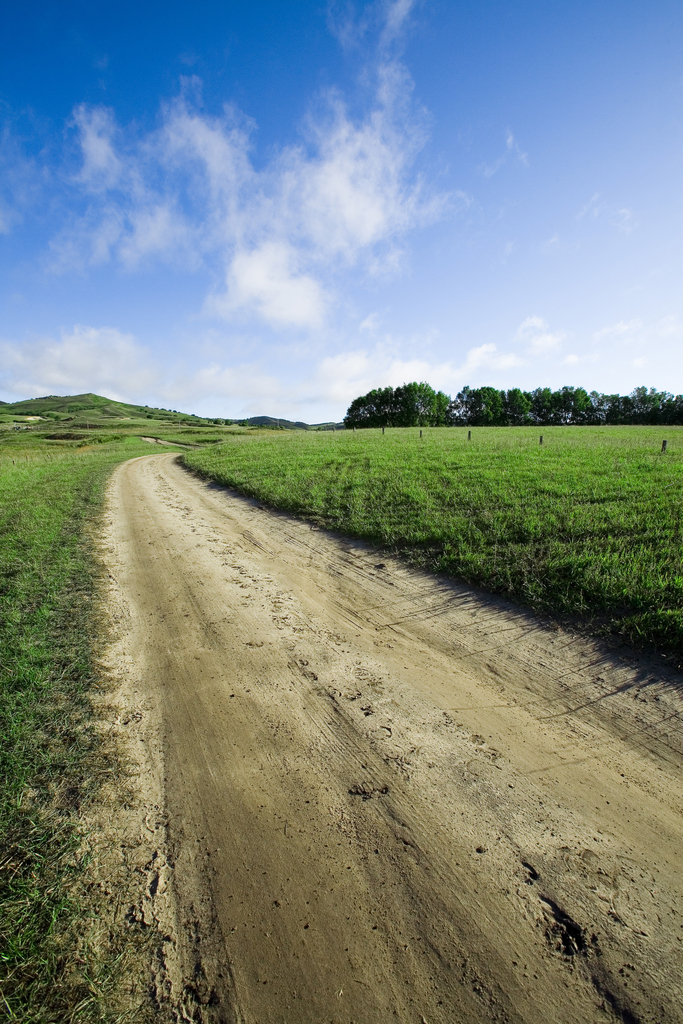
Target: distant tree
(414, 405)
(410, 405)
(372, 410)
(542, 406)
(486, 407)
(516, 407)
(440, 409)
(458, 410)
(417, 404)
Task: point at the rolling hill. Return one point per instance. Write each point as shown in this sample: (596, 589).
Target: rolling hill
(92, 411)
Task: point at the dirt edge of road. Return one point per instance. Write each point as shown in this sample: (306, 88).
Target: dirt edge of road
(128, 878)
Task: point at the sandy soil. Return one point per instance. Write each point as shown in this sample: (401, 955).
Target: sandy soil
(168, 444)
(374, 795)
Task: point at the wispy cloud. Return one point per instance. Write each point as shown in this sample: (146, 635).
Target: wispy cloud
(624, 220)
(274, 237)
(620, 217)
(551, 244)
(84, 359)
(537, 337)
(101, 168)
(592, 207)
(20, 181)
(670, 326)
(513, 151)
(621, 331)
(352, 24)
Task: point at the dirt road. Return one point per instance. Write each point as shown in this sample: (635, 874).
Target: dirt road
(375, 795)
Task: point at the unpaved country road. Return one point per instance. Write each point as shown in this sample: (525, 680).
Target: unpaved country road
(380, 795)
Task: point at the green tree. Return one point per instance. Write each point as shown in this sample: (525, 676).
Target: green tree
(516, 406)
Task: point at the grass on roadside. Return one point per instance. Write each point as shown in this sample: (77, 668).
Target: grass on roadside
(52, 758)
(588, 523)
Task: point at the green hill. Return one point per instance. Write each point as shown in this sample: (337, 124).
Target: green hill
(91, 411)
(97, 408)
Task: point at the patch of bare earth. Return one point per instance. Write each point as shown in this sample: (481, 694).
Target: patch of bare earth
(366, 794)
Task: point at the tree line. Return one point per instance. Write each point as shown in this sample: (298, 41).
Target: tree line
(419, 405)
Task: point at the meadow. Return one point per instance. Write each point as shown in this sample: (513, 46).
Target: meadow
(587, 524)
(52, 758)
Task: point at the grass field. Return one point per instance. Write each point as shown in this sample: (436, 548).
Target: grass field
(51, 755)
(587, 523)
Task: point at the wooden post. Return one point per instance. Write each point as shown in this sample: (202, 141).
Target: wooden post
(663, 446)
(541, 439)
(421, 436)
(469, 435)
(382, 429)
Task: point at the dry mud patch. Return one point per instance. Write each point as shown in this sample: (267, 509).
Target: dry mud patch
(367, 794)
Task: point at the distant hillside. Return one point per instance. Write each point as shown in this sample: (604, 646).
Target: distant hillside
(274, 422)
(93, 410)
(70, 405)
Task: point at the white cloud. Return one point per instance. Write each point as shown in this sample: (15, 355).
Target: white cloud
(106, 361)
(513, 147)
(531, 325)
(618, 217)
(624, 331)
(21, 181)
(339, 379)
(487, 357)
(371, 323)
(87, 359)
(591, 207)
(189, 193)
(386, 17)
(669, 326)
(623, 219)
(396, 17)
(266, 280)
(101, 168)
(574, 359)
(537, 336)
(512, 150)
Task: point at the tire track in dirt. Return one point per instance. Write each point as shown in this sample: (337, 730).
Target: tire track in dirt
(384, 795)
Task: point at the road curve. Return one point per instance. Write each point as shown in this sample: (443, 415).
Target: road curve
(385, 796)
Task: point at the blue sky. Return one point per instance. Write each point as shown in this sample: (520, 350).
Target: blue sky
(237, 209)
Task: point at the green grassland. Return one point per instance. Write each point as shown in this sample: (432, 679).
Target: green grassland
(588, 523)
(51, 753)
(91, 410)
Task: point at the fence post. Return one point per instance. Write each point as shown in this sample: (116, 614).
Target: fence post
(469, 435)
(540, 441)
(421, 436)
(663, 446)
(382, 429)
